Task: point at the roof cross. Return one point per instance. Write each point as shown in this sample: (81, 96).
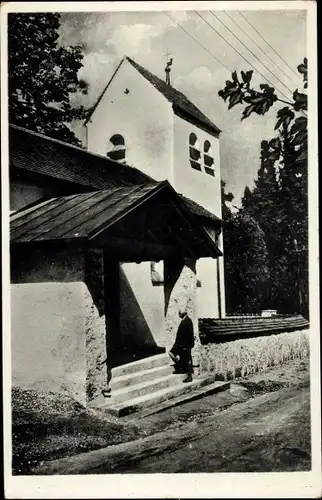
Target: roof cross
(167, 54)
(168, 68)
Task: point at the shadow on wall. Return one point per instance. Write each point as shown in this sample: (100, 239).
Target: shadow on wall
(94, 273)
(46, 264)
(172, 272)
(135, 332)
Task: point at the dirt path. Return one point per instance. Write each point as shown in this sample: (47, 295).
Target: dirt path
(267, 433)
(261, 424)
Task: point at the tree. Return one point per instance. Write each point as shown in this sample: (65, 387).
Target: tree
(246, 269)
(225, 210)
(278, 200)
(42, 76)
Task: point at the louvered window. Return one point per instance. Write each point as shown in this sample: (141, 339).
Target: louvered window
(209, 164)
(194, 152)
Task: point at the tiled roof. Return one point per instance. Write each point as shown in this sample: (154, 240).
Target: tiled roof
(227, 329)
(179, 101)
(199, 210)
(40, 154)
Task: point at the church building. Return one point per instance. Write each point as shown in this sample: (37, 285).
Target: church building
(107, 243)
(145, 122)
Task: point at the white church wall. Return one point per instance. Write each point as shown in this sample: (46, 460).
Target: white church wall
(47, 323)
(208, 297)
(58, 331)
(211, 293)
(197, 185)
(142, 321)
(204, 189)
(222, 286)
(132, 107)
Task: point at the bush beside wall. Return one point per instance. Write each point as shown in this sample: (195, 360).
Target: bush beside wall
(242, 357)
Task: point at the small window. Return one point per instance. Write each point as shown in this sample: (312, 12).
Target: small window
(117, 148)
(194, 152)
(208, 160)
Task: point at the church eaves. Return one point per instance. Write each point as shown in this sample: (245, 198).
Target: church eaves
(182, 106)
(54, 160)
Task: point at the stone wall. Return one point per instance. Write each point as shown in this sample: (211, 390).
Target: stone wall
(95, 327)
(241, 357)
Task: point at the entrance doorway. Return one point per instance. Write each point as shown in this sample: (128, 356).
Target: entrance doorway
(134, 312)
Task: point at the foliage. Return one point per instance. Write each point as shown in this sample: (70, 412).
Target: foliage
(43, 76)
(225, 210)
(246, 270)
(278, 200)
(259, 101)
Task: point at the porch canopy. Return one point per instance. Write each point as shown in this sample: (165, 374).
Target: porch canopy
(134, 223)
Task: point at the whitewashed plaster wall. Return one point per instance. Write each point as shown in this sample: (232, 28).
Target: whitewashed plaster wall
(207, 293)
(142, 116)
(47, 323)
(57, 330)
(205, 190)
(142, 321)
(199, 186)
(23, 193)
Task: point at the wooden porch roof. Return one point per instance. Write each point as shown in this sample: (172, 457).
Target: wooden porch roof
(146, 221)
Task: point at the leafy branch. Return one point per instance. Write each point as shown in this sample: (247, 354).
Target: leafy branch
(259, 101)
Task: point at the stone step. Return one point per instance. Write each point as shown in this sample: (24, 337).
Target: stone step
(151, 399)
(143, 388)
(131, 379)
(141, 364)
(204, 391)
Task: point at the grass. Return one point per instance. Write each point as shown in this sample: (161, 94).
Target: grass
(46, 425)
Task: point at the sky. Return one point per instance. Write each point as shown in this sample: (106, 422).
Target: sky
(148, 36)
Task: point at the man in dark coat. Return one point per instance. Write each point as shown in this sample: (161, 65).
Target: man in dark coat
(181, 350)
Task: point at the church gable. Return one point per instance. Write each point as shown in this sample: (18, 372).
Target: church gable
(132, 122)
(181, 105)
(142, 120)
